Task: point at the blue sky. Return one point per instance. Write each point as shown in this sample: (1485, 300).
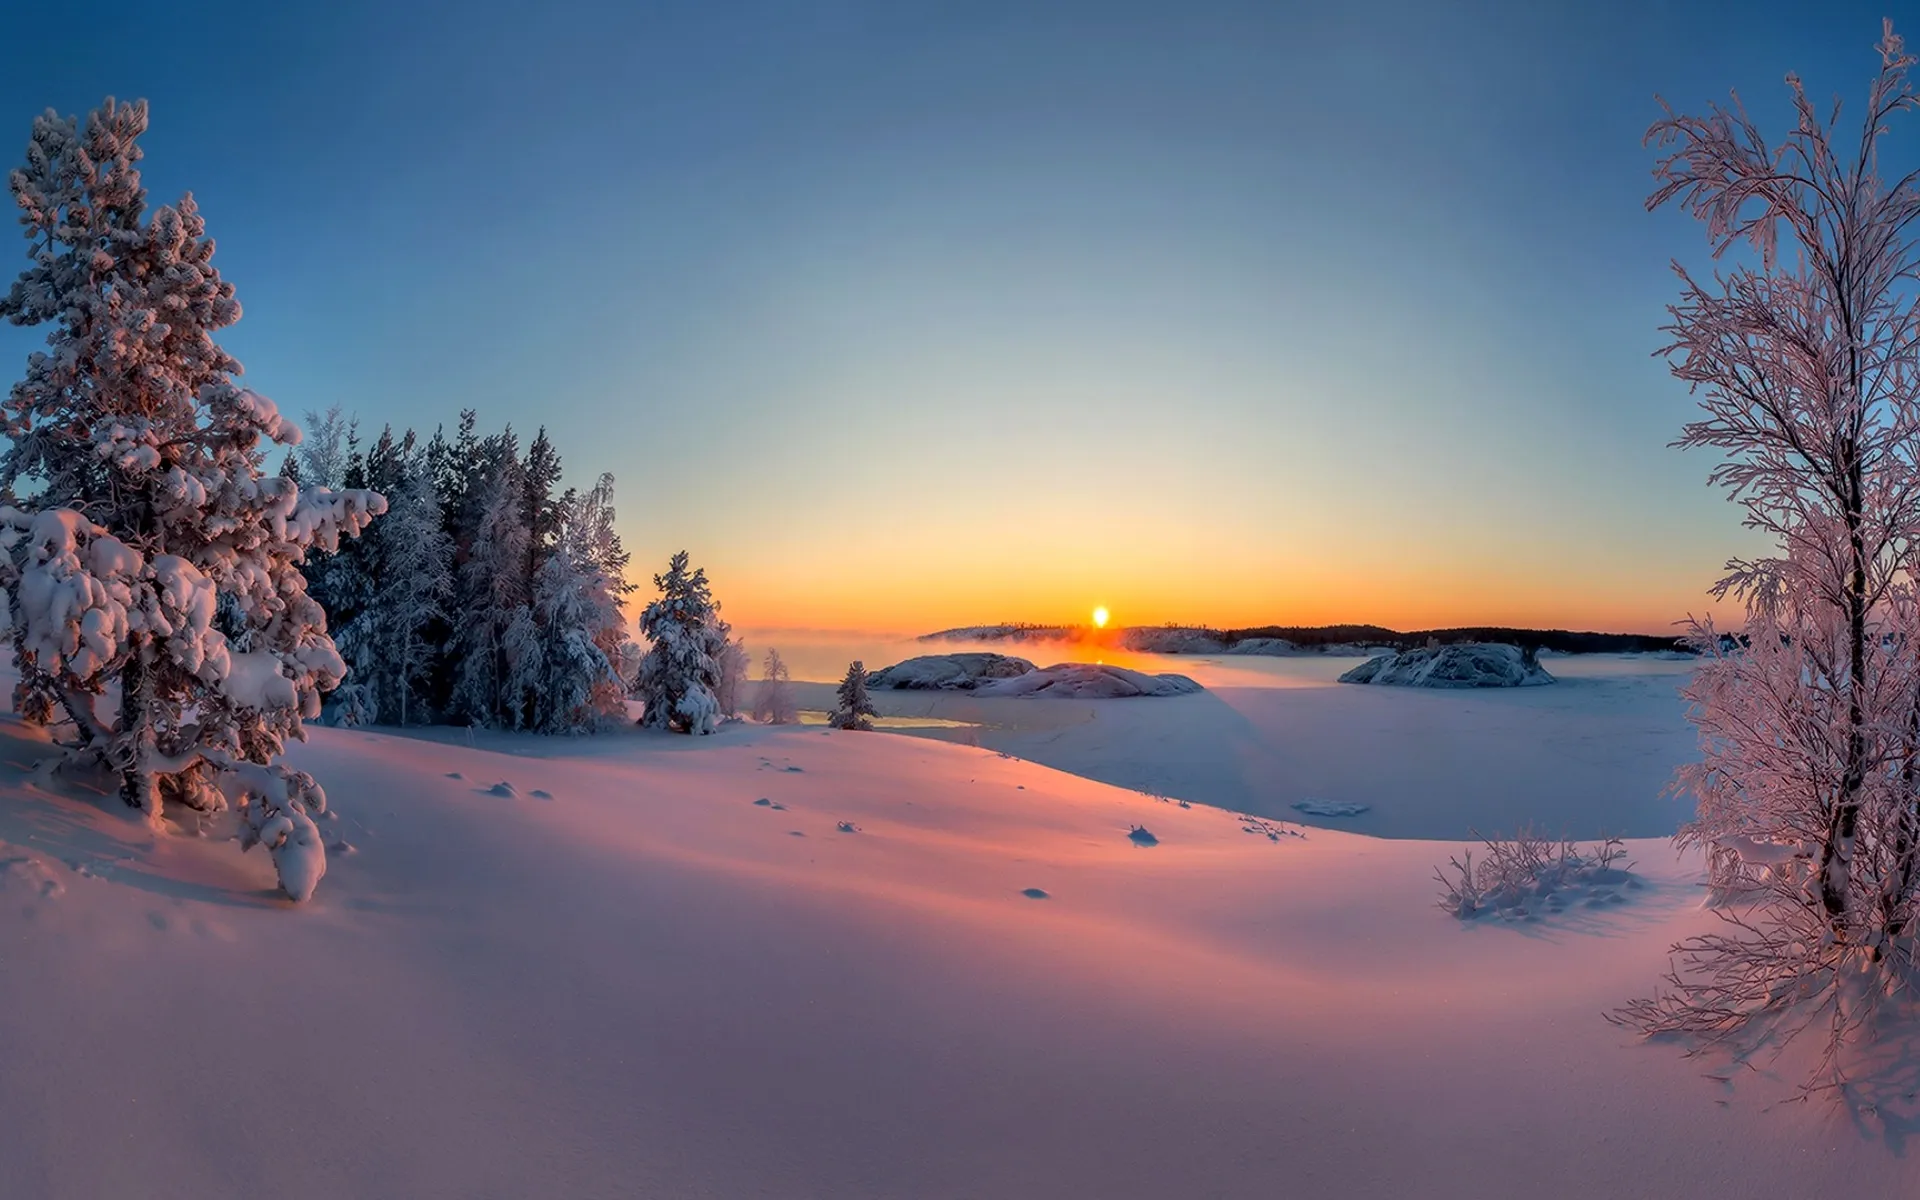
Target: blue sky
(906, 313)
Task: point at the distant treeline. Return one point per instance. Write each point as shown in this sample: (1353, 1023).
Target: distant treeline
(1562, 641)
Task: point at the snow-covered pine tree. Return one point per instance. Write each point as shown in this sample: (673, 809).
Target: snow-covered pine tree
(345, 582)
(322, 452)
(853, 708)
(773, 702)
(152, 504)
(456, 470)
(523, 669)
(680, 674)
(589, 537)
(583, 645)
(541, 508)
(416, 578)
(490, 588)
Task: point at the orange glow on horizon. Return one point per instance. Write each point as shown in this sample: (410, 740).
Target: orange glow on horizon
(905, 578)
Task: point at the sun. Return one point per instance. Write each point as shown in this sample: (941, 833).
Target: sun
(1100, 618)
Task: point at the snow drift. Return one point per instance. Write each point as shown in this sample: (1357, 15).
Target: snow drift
(1466, 665)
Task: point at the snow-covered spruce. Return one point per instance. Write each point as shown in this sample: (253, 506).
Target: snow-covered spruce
(773, 702)
(526, 633)
(853, 707)
(1462, 665)
(680, 676)
(584, 654)
(132, 417)
(408, 567)
(491, 636)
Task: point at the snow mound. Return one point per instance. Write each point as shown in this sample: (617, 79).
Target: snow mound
(1089, 681)
(949, 672)
(1465, 665)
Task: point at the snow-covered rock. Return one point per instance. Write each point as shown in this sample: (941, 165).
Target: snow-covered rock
(949, 672)
(1464, 665)
(1088, 681)
(1167, 639)
(1276, 647)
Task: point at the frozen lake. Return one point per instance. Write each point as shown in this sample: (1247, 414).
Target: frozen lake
(1589, 755)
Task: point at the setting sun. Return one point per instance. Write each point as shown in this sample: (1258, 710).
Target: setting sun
(1099, 618)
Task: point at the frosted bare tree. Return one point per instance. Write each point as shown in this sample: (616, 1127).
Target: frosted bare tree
(1805, 358)
(773, 702)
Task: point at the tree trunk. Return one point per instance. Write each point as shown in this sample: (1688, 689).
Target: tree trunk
(1836, 853)
(136, 782)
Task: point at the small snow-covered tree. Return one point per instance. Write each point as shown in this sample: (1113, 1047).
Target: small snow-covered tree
(153, 512)
(1807, 362)
(853, 708)
(322, 453)
(680, 675)
(773, 702)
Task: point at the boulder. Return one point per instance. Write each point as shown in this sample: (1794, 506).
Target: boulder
(948, 672)
(1462, 665)
(1089, 681)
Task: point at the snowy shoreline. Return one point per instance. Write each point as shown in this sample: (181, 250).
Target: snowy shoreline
(618, 979)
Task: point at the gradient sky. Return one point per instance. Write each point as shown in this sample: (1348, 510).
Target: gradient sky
(905, 314)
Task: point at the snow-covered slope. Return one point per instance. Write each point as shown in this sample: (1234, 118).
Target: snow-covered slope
(1089, 681)
(794, 963)
(1462, 665)
(948, 672)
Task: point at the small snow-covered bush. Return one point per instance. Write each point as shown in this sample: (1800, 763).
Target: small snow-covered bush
(1514, 872)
